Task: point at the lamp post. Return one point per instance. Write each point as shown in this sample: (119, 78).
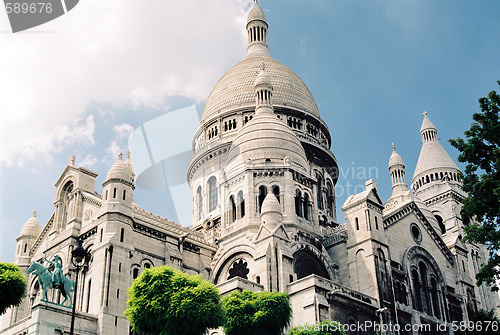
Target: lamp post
(79, 257)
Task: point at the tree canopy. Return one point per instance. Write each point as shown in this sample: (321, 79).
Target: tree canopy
(12, 286)
(322, 328)
(265, 313)
(170, 302)
(481, 152)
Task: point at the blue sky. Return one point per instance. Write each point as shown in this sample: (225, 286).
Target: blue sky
(81, 83)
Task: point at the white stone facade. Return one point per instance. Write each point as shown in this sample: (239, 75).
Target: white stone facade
(262, 178)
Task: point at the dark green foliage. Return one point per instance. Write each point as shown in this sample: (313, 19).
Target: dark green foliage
(12, 286)
(170, 302)
(481, 181)
(322, 328)
(263, 313)
(482, 322)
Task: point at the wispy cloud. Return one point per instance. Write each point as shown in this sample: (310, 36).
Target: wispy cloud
(123, 130)
(106, 53)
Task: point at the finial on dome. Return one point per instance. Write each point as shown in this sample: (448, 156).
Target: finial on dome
(393, 147)
(71, 160)
(128, 153)
(424, 113)
(120, 156)
(34, 213)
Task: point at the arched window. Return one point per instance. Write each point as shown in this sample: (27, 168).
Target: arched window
(276, 192)
(199, 201)
(262, 196)
(435, 299)
(307, 215)
(212, 193)
(135, 273)
(241, 202)
(298, 203)
(232, 203)
(440, 223)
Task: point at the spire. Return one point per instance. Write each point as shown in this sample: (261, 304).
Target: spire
(257, 31)
(263, 91)
(434, 163)
(428, 131)
(397, 171)
(71, 160)
(34, 213)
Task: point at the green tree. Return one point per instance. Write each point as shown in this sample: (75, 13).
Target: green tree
(481, 152)
(263, 313)
(322, 328)
(165, 301)
(12, 286)
(482, 322)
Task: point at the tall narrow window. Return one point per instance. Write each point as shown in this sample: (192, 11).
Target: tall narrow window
(124, 194)
(199, 200)
(114, 193)
(357, 223)
(329, 198)
(262, 196)
(233, 208)
(241, 202)
(320, 191)
(298, 203)
(212, 193)
(89, 286)
(122, 234)
(276, 192)
(307, 215)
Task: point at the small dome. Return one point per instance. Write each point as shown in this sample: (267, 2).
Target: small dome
(263, 78)
(266, 138)
(270, 204)
(256, 13)
(395, 158)
(120, 170)
(31, 227)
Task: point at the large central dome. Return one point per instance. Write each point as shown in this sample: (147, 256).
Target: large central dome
(236, 88)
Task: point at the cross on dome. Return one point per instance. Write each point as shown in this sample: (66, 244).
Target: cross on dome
(393, 147)
(120, 156)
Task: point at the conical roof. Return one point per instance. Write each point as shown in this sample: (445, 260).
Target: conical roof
(256, 13)
(432, 155)
(270, 204)
(31, 227)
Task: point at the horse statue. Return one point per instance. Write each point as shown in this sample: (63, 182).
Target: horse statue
(65, 286)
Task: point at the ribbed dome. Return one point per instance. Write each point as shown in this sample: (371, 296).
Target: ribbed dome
(266, 137)
(31, 227)
(120, 170)
(256, 13)
(395, 158)
(236, 88)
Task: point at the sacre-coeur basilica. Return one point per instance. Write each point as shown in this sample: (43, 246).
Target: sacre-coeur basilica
(263, 177)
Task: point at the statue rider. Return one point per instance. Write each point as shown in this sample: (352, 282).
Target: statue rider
(57, 274)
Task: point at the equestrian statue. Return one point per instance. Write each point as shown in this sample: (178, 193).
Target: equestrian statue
(54, 279)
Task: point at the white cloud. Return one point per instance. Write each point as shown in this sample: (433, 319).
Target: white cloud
(88, 161)
(115, 52)
(123, 130)
(113, 150)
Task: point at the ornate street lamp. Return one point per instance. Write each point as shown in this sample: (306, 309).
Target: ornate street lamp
(79, 258)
